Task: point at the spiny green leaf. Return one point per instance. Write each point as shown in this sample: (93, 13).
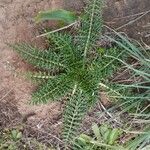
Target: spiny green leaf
(39, 58)
(91, 25)
(53, 89)
(39, 77)
(75, 110)
(63, 43)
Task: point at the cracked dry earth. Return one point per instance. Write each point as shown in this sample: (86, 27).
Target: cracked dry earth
(17, 24)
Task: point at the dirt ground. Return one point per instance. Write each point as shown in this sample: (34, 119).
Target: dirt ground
(17, 24)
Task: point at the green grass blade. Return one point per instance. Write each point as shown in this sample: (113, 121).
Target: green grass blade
(60, 15)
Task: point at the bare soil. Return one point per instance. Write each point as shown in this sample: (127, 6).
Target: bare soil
(17, 24)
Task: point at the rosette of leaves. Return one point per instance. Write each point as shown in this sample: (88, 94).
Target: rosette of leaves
(71, 67)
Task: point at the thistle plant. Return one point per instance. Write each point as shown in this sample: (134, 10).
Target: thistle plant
(72, 67)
